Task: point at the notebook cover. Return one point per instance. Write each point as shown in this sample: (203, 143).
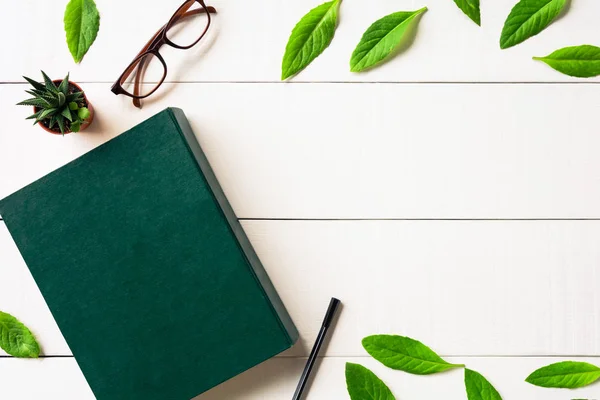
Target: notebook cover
(144, 266)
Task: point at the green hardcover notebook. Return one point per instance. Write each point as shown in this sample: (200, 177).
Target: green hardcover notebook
(145, 267)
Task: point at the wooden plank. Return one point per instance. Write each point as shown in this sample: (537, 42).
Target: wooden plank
(463, 287)
(276, 380)
(360, 151)
(20, 296)
(248, 39)
(44, 378)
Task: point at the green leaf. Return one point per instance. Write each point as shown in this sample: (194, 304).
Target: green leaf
(311, 36)
(471, 9)
(67, 114)
(75, 126)
(46, 113)
(61, 99)
(580, 61)
(74, 97)
(16, 339)
(33, 102)
(527, 19)
(61, 125)
(35, 84)
(405, 354)
(36, 92)
(35, 116)
(83, 113)
(478, 388)
(64, 86)
(49, 84)
(82, 22)
(567, 374)
(365, 385)
(52, 100)
(379, 41)
(73, 106)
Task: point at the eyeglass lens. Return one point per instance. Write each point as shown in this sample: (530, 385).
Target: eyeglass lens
(187, 28)
(148, 72)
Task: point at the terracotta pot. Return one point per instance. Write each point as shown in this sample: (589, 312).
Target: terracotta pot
(85, 123)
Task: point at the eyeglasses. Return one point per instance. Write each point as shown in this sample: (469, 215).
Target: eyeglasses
(148, 70)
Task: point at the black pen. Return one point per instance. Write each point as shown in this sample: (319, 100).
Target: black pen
(331, 310)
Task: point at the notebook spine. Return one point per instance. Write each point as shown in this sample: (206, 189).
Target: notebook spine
(258, 270)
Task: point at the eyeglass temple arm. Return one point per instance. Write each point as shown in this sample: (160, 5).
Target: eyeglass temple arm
(151, 43)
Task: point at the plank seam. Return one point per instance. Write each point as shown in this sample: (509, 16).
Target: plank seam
(416, 219)
(367, 356)
(420, 219)
(351, 82)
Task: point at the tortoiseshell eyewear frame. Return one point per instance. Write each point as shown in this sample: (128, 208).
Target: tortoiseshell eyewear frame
(152, 48)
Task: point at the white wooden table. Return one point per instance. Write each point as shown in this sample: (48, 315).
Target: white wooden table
(451, 195)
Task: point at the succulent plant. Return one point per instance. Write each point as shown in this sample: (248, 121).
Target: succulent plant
(56, 105)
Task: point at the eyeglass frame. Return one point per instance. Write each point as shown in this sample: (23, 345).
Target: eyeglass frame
(152, 47)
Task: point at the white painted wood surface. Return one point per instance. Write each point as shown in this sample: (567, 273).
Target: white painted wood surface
(276, 379)
(250, 37)
(439, 281)
(495, 155)
(361, 150)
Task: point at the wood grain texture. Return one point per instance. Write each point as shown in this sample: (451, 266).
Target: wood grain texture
(452, 128)
(461, 287)
(248, 39)
(359, 151)
(276, 379)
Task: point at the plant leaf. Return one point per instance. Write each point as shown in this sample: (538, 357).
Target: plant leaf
(46, 112)
(35, 84)
(567, 374)
(405, 354)
(471, 9)
(73, 106)
(365, 385)
(61, 99)
(381, 38)
(67, 114)
(74, 97)
(580, 61)
(35, 116)
(49, 84)
(61, 125)
(36, 92)
(83, 113)
(82, 22)
(478, 388)
(16, 339)
(64, 86)
(75, 126)
(33, 102)
(527, 19)
(50, 99)
(309, 38)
